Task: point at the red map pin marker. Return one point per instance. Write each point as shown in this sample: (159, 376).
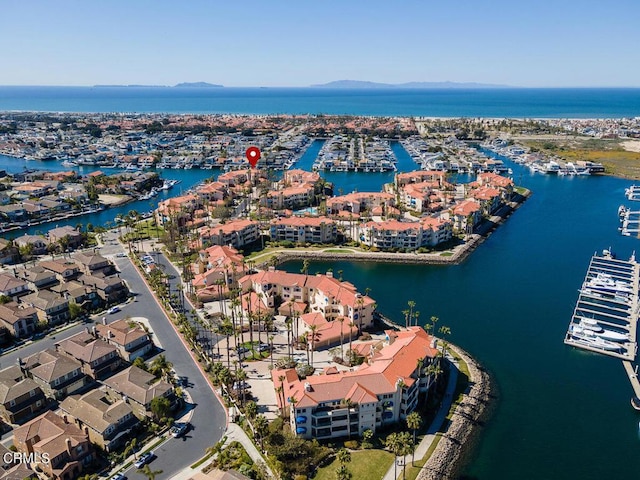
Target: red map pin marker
(253, 155)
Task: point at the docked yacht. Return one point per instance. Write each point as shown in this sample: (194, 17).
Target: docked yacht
(605, 283)
(589, 338)
(591, 325)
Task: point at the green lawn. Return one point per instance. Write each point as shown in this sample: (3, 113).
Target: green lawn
(365, 464)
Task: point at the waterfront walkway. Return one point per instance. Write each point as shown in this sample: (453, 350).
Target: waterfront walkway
(436, 425)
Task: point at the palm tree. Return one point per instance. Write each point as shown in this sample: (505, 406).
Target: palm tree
(150, 474)
(305, 267)
(261, 426)
(314, 332)
(341, 320)
(414, 420)
(412, 305)
(351, 325)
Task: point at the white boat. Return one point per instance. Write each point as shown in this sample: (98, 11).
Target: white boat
(592, 325)
(622, 210)
(589, 338)
(551, 167)
(604, 282)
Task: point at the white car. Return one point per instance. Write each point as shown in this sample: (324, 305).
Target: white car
(179, 429)
(113, 310)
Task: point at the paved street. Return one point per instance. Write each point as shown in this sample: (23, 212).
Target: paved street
(209, 417)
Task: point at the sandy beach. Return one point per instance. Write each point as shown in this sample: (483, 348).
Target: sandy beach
(113, 200)
(631, 145)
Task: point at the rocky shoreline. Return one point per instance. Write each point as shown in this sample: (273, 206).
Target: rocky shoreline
(462, 431)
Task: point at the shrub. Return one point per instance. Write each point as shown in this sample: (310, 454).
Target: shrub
(351, 444)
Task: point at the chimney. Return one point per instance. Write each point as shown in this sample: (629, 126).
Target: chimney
(68, 443)
(85, 429)
(104, 320)
(28, 444)
(272, 268)
(65, 418)
(94, 331)
(330, 274)
(109, 335)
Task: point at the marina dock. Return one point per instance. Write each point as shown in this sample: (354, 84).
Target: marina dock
(630, 222)
(606, 314)
(605, 319)
(633, 193)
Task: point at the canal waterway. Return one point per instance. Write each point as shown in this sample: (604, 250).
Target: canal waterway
(562, 413)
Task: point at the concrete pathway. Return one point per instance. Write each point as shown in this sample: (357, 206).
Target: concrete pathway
(425, 443)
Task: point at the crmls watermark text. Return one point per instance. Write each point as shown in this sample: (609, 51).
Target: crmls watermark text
(28, 458)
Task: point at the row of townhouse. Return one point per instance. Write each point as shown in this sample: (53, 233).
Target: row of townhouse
(359, 202)
(379, 393)
(97, 404)
(297, 189)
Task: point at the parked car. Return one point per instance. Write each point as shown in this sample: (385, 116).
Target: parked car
(179, 429)
(144, 459)
(243, 349)
(113, 310)
(264, 347)
(239, 385)
(119, 476)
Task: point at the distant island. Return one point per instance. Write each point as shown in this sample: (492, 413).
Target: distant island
(179, 85)
(366, 84)
(198, 85)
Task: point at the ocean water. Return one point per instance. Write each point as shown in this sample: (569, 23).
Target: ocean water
(511, 102)
(561, 413)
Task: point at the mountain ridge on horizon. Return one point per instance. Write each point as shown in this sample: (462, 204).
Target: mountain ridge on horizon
(368, 84)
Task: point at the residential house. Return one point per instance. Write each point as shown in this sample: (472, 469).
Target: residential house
(215, 269)
(9, 253)
(65, 270)
(20, 397)
(11, 286)
(38, 277)
(139, 388)
(58, 375)
(50, 307)
(129, 338)
(110, 289)
(38, 243)
(98, 358)
(67, 235)
(109, 422)
(19, 320)
(67, 448)
(92, 263)
(393, 234)
(13, 469)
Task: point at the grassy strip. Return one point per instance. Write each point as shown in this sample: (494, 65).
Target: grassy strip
(364, 464)
(202, 460)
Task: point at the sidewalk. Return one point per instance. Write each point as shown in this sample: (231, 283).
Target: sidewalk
(234, 433)
(425, 443)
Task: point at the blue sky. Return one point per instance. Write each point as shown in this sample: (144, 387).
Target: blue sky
(297, 43)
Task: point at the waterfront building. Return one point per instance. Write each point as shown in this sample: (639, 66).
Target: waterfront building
(179, 209)
(38, 243)
(419, 176)
(359, 202)
(68, 235)
(503, 184)
(236, 233)
(320, 293)
(304, 230)
(379, 393)
(466, 215)
(9, 253)
(292, 197)
(393, 234)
